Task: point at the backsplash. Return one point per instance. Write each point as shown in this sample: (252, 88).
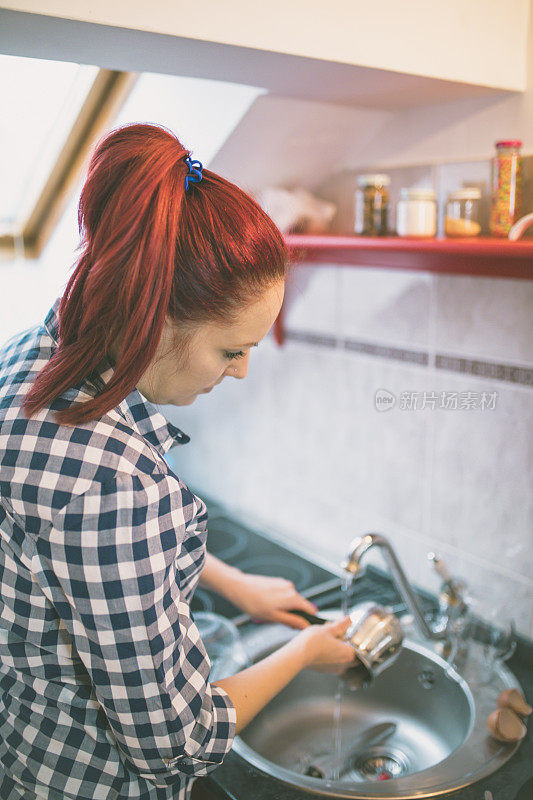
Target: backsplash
(305, 447)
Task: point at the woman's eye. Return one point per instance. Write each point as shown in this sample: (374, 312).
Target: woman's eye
(233, 355)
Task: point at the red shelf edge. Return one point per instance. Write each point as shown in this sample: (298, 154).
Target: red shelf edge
(474, 245)
(482, 256)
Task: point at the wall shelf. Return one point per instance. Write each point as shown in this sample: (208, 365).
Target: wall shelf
(480, 256)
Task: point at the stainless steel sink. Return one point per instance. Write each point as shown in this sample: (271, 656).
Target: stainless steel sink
(440, 742)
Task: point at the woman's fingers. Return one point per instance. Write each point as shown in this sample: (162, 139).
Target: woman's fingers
(292, 620)
(297, 603)
(339, 627)
(301, 603)
(290, 598)
(342, 623)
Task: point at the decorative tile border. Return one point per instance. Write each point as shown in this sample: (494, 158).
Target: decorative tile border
(312, 338)
(486, 369)
(482, 369)
(397, 353)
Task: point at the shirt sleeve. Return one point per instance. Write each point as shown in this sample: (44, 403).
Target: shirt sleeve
(111, 564)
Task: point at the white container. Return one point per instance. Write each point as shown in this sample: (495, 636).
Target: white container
(416, 213)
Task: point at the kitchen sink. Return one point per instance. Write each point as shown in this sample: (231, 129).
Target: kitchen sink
(440, 740)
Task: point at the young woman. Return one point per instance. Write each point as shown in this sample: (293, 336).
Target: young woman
(104, 680)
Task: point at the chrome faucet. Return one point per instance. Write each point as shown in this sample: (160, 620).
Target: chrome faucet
(451, 597)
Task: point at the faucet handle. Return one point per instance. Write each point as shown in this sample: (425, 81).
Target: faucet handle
(452, 594)
(358, 547)
(440, 567)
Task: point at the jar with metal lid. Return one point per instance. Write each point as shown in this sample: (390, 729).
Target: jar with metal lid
(372, 205)
(462, 213)
(506, 187)
(416, 213)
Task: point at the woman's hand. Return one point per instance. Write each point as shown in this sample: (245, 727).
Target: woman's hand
(326, 648)
(267, 599)
(264, 599)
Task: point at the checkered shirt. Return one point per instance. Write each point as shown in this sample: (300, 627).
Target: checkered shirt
(104, 691)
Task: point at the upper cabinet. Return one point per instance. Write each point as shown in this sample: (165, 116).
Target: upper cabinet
(388, 55)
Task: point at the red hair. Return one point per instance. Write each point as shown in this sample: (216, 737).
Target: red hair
(150, 249)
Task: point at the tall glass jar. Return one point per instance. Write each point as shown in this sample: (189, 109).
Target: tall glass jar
(506, 187)
(372, 205)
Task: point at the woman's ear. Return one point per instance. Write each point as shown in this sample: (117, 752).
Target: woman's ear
(176, 341)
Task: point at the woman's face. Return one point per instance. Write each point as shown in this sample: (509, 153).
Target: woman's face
(215, 352)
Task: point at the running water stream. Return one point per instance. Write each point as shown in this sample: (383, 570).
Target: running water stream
(337, 708)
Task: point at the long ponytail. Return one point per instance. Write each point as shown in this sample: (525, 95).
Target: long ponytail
(148, 252)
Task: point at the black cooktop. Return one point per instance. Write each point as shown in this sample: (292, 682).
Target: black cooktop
(242, 547)
(253, 552)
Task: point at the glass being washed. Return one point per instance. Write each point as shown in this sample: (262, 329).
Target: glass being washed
(493, 633)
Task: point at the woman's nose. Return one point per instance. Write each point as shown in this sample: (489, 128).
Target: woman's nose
(240, 369)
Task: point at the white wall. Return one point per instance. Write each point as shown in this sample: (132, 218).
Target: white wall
(28, 287)
(462, 131)
(316, 144)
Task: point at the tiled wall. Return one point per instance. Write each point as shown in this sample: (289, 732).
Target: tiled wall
(300, 446)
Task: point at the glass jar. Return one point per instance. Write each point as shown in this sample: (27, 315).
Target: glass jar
(462, 213)
(416, 213)
(506, 187)
(372, 205)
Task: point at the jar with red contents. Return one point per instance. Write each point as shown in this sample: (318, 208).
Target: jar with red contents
(507, 178)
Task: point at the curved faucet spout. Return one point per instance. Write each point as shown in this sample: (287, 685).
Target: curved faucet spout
(352, 564)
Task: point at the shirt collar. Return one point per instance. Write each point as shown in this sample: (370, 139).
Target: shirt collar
(140, 412)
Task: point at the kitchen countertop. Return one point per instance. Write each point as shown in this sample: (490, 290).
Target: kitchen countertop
(235, 779)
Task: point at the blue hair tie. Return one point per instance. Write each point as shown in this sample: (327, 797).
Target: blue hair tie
(195, 172)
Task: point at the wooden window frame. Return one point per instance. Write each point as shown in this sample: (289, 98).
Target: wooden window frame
(105, 98)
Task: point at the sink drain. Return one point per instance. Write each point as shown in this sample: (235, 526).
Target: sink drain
(379, 764)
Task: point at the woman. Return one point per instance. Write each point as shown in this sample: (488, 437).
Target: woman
(104, 681)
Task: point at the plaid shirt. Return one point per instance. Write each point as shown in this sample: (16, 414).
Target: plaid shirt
(104, 691)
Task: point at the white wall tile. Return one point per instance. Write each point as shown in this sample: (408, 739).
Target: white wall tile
(387, 448)
(385, 306)
(312, 299)
(490, 318)
(482, 467)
